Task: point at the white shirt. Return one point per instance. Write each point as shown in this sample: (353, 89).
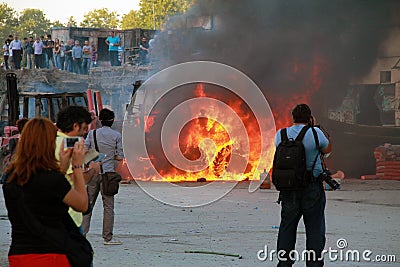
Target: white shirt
(15, 45)
(6, 52)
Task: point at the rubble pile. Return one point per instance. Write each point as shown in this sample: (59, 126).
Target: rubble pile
(50, 80)
(112, 79)
(387, 159)
(114, 83)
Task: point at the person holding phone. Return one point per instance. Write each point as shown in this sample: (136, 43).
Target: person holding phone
(73, 121)
(46, 194)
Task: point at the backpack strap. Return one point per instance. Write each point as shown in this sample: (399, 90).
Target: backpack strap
(284, 136)
(302, 133)
(300, 138)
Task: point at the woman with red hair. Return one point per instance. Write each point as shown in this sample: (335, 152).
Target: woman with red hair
(46, 194)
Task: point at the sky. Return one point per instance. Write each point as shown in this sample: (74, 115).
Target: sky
(62, 10)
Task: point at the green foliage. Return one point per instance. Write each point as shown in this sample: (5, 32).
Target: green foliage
(57, 23)
(130, 20)
(101, 18)
(8, 21)
(72, 22)
(153, 13)
(33, 21)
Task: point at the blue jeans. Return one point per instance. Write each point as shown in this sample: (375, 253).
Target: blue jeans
(49, 57)
(62, 63)
(77, 65)
(68, 63)
(309, 203)
(58, 59)
(86, 65)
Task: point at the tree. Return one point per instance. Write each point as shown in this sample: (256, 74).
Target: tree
(153, 13)
(101, 18)
(8, 21)
(33, 21)
(72, 22)
(130, 20)
(57, 23)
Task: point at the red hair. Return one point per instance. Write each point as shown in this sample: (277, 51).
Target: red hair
(35, 151)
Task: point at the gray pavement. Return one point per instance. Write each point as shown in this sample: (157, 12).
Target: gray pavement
(365, 213)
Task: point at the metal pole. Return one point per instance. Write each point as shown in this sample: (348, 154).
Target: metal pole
(13, 98)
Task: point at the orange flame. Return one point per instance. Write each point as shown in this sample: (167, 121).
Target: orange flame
(207, 141)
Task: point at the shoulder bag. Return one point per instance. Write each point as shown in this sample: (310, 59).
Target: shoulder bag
(110, 180)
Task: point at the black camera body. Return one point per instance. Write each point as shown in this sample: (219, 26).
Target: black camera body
(326, 177)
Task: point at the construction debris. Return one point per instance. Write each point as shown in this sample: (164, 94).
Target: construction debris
(114, 83)
(387, 159)
(214, 253)
(46, 80)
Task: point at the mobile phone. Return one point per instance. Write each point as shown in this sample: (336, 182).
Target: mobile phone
(99, 157)
(69, 142)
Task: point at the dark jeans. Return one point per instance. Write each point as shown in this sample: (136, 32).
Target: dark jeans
(143, 56)
(6, 62)
(17, 57)
(77, 63)
(309, 203)
(114, 58)
(48, 56)
(39, 61)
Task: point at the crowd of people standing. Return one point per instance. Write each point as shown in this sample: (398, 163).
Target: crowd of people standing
(43, 52)
(73, 56)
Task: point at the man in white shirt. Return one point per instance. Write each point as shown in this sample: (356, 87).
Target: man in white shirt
(16, 47)
(38, 51)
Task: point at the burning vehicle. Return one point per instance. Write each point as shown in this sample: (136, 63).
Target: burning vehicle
(200, 141)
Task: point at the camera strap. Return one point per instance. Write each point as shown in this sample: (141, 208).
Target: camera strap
(319, 152)
(317, 146)
(97, 147)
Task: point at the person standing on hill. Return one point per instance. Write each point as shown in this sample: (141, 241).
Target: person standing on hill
(113, 43)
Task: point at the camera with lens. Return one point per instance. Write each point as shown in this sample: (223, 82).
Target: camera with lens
(326, 176)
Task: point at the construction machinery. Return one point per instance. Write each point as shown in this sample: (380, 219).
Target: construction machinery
(38, 104)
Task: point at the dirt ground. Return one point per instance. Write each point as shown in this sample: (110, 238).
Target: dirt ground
(364, 213)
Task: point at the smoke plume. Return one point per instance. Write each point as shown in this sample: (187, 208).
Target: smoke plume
(289, 48)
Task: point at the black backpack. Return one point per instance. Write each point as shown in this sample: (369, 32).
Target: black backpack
(289, 171)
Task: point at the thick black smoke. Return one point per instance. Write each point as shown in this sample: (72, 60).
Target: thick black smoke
(295, 50)
(285, 46)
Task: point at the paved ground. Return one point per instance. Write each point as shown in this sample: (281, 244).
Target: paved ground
(365, 213)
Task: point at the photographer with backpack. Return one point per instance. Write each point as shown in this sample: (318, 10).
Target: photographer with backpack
(296, 170)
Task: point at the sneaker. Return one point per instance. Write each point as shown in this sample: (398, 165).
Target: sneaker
(112, 242)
